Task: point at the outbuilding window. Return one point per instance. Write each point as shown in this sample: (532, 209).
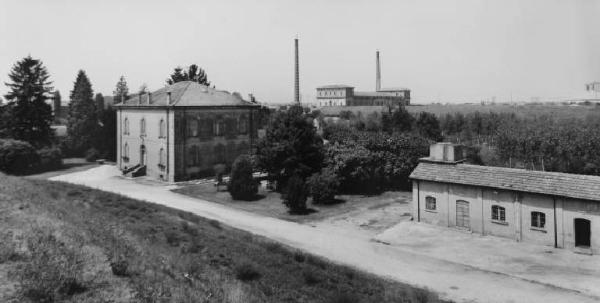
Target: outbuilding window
(430, 203)
(538, 219)
(498, 213)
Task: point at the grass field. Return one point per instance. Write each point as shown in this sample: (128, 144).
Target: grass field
(269, 203)
(62, 242)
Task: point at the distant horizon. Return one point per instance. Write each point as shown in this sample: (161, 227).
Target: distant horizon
(444, 51)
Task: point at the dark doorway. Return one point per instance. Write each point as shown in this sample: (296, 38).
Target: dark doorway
(582, 232)
(142, 155)
(462, 214)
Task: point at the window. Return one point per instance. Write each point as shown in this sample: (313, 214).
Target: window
(206, 128)
(143, 127)
(192, 127)
(162, 129)
(221, 128)
(429, 203)
(498, 213)
(161, 159)
(125, 152)
(126, 127)
(243, 125)
(538, 219)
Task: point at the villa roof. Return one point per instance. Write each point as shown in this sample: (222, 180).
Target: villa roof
(188, 93)
(550, 183)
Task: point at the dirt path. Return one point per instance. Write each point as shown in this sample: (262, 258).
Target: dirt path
(451, 280)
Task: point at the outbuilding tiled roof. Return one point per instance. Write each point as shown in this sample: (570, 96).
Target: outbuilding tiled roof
(558, 184)
(188, 93)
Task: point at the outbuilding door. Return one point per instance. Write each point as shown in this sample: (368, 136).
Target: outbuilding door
(582, 232)
(462, 214)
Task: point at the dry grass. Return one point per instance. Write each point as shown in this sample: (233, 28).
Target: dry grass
(114, 249)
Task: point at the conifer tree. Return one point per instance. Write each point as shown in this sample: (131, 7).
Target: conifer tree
(194, 73)
(56, 103)
(99, 100)
(82, 123)
(121, 92)
(29, 116)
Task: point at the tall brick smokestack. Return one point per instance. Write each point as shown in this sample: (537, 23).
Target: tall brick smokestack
(296, 75)
(377, 73)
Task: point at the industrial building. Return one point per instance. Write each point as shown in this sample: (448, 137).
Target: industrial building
(344, 95)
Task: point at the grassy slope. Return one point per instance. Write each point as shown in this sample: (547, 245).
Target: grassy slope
(171, 255)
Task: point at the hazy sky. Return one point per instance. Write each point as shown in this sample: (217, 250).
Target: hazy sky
(443, 50)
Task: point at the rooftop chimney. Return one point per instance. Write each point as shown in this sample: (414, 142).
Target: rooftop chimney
(139, 98)
(445, 152)
(168, 98)
(149, 97)
(377, 73)
(296, 75)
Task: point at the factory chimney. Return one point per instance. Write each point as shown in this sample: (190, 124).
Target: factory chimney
(296, 76)
(377, 73)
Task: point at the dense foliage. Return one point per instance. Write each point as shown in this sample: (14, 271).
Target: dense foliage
(17, 157)
(193, 73)
(291, 147)
(323, 186)
(242, 185)
(121, 92)
(50, 158)
(27, 116)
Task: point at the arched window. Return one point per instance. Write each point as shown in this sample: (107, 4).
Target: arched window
(430, 203)
(498, 213)
(143, 127)
(162, 132)
(192, 127)
(538, 219)
(125, 152)
(243, 125)
(206, 128)
(221, 128)
(126, 127)
(161, 158)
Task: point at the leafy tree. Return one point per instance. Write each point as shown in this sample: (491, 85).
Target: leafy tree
(399, 120)
(17, 157)
(29, 116)
(82, 123)
(193, 73)
(323, 186)
(295, 195)
(56, 103)
(242, 185)
(428, 126)
(291, 146)
(143, 89)
(121, 92)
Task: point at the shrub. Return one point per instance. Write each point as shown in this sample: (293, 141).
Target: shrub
(311, 277)
(120, 267)
(323, 186)
(242, 185)
(92, 155)
(343, 297)
(50, 158)
(246, 272)
(17, 157)
(299, 257)
(295, 195)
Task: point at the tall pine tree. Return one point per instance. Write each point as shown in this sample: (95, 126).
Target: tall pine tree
(56, 103)
(29, 116)
(82, 123)
(121, 92)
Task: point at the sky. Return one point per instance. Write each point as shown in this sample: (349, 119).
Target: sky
(443, 50)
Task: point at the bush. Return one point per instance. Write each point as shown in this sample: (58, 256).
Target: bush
(92, 155)
(242, 185)
(50, 158)
(295, 195)
(246, 272)
(323, 186)
(17, 157)
(119, 267)
(311, 277)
